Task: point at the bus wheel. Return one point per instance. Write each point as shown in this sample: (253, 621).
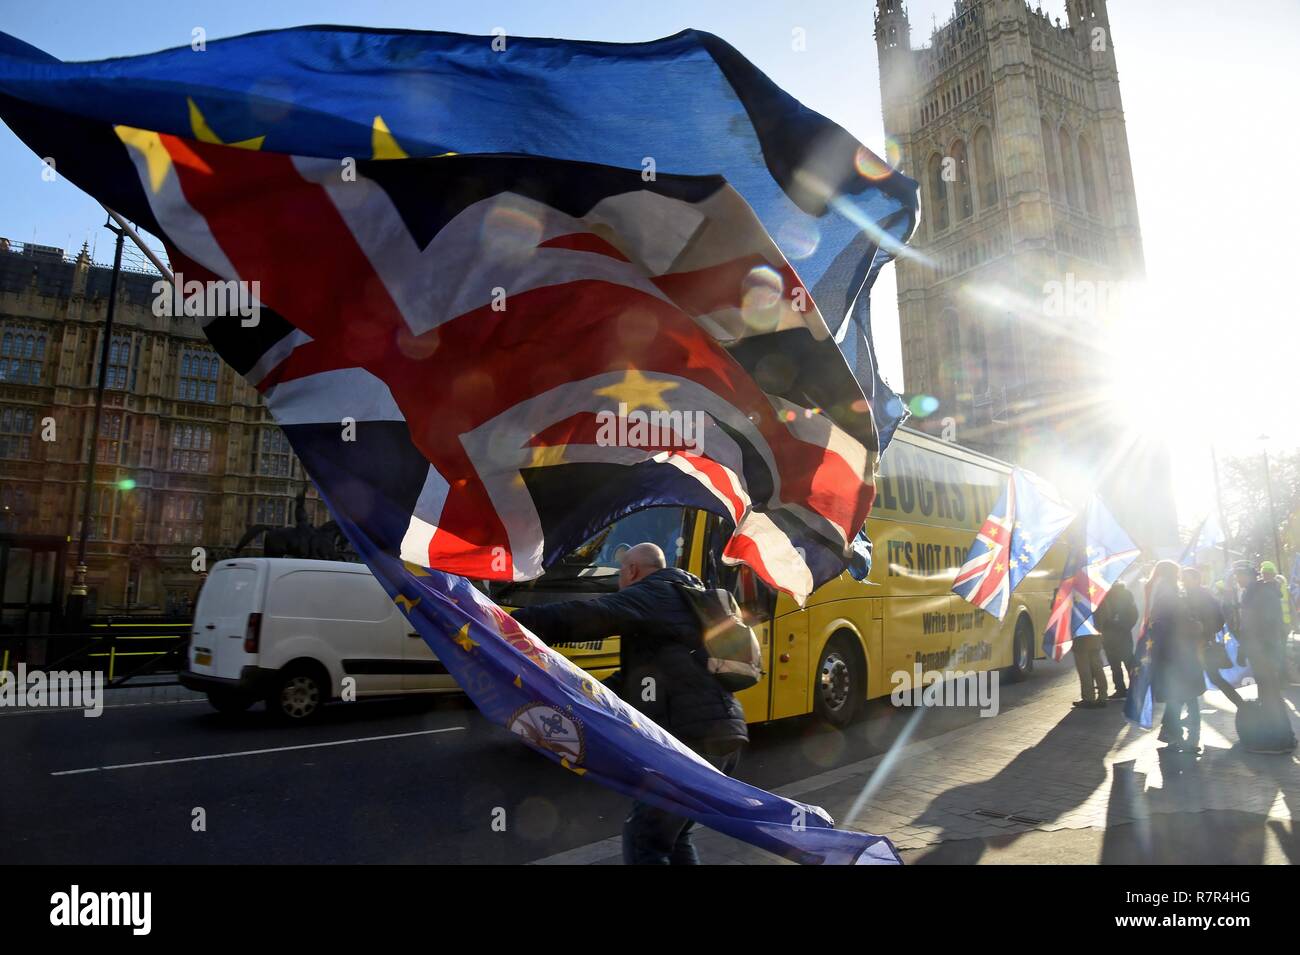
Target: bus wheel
(1022, 651)
(841, 683)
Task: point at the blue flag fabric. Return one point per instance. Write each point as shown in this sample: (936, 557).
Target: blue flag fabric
(685, 104)
(1026, 521)
(1238, 673)
(1139, 705)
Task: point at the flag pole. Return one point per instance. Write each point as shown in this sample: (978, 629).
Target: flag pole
(134, 236)
(1223, 523)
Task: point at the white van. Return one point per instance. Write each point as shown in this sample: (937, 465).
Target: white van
(289, 632)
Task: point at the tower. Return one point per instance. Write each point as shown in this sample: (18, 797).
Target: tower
(1012, 123)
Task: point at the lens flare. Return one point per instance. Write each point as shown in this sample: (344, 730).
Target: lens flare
(870, 166)
(511, 231)
(798, 240)
(762, 295)
(922, 406)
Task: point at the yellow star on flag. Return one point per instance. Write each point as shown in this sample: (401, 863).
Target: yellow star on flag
(406, 603)
(204, 134)
(383, 144)
(466, 642)
(637, 391)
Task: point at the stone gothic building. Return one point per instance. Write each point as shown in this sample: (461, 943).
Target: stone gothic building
(1013, 125)
(187, 457)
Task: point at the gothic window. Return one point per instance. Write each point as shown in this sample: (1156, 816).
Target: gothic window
(22, 356)
(1049, 157)
(198, 378)
(114, 435)
(274, 455)
(119, 365)
(965, 207)
(191, 448)
(269, 510)
(182, 521)
(16, 427)
(938, 195)
(1068, 169)
(986, 170)
(1088, 174)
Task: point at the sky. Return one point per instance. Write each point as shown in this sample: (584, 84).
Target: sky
(1212, 347)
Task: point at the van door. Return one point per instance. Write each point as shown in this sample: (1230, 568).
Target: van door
(422, 671)
(342, 618)
(229, 595)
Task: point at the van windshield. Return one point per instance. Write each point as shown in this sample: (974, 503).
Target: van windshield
(593, 567)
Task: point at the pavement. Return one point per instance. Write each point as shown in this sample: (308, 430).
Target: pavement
(1049, 783)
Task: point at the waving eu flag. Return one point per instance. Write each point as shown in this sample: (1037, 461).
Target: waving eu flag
(1209, 534)
(1102, 552)
(685, 104)
(1025, 522)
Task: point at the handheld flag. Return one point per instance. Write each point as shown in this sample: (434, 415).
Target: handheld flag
(1025, 522)
(1101, 553)
(1208, 534)
(686, 104)
(1139, 705)
(488, 327)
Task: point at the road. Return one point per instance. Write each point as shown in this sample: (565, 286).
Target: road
(396, 781)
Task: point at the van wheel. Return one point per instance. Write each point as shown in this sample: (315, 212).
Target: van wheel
(841, 683)
(1022, 651)
(298, 696)
(229, 701)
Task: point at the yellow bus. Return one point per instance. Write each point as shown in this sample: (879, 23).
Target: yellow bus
(844, 645)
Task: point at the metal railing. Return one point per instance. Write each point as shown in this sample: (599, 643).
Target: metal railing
(124, 648)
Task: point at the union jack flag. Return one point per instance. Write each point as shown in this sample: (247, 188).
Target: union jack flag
(480, 318)
(1024, 524)
(1094, 564)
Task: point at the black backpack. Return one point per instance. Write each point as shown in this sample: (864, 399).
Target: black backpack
(731, 649)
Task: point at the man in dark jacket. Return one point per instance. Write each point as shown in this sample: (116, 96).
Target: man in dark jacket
(1115, 618)
(663, 674)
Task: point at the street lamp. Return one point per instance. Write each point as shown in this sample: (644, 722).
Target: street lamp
(77, 594)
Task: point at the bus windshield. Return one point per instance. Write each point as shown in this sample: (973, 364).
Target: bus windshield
(594, 565)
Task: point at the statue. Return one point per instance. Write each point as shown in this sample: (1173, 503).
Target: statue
(302, 540)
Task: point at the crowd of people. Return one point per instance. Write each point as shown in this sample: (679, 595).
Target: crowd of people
(1181, 626)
